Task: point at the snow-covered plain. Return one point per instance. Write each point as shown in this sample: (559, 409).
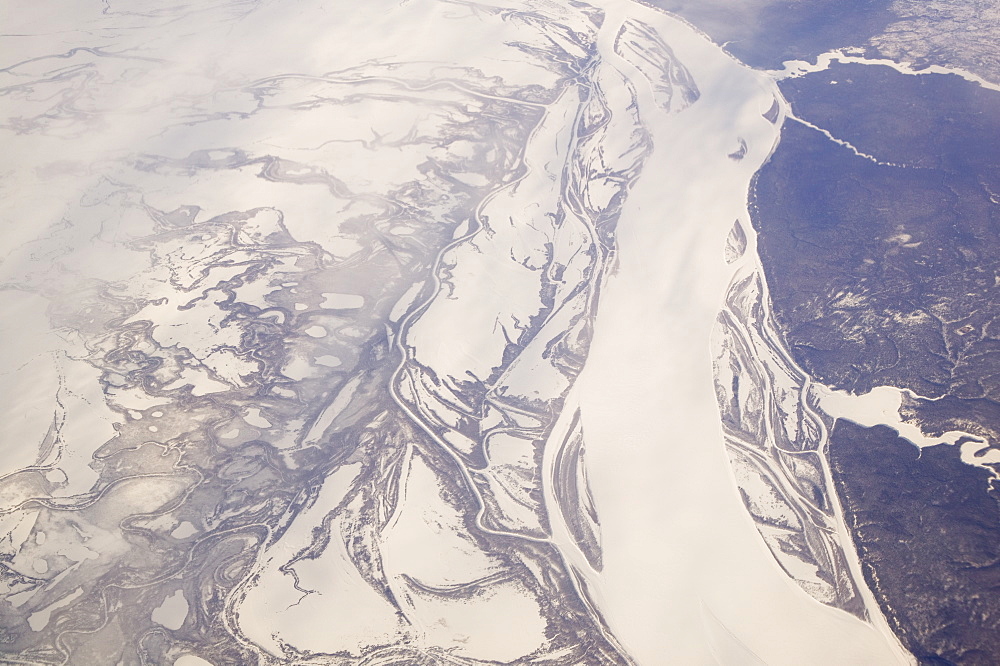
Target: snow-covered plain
(382, 333)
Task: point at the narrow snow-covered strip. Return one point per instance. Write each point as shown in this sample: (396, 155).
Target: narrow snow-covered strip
(796, 68)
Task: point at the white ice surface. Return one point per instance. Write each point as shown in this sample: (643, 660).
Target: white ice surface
(676, 535)
(172, 612)
(334, 609)
(880, 406)
(796, 68)
(191, 660)
(687, 579)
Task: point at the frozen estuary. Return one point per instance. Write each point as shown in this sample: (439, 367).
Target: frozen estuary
(423, 332)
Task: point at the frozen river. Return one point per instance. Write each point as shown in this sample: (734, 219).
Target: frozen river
(397, 333)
